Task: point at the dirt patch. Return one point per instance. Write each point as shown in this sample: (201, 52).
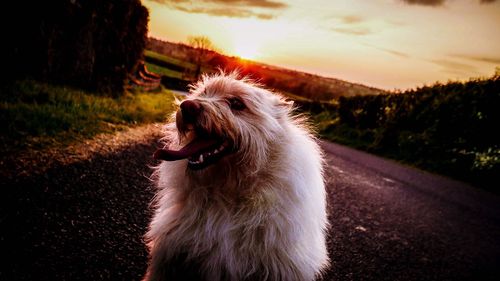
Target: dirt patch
(30, 162)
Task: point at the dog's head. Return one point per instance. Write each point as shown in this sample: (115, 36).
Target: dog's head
(227, 119)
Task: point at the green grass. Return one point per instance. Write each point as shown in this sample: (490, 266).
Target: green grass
(168, 59)
(172, 67)
(163, 71)
(37, 115)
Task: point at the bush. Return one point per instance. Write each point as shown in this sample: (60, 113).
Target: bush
(448, 128)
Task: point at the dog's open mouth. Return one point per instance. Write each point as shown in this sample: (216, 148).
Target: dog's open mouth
(200, 152)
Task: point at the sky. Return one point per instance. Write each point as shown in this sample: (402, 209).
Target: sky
(389, 44)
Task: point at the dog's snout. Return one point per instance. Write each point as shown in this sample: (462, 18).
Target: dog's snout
(190, 110)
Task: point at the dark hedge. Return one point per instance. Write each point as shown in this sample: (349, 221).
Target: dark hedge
(90, 44)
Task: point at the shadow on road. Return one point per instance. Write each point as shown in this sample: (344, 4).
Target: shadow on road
(83, 221)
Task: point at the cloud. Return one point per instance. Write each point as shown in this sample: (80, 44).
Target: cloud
(350, 24)
(227, 8)
(252, 3)
(225, 12)
(454, 67)
(389, 51)
(396, 53)
(425, 2)
(436, 3)
(353, 30)
(248, 3)
(169, 2)
(351, 19)
(492, 60)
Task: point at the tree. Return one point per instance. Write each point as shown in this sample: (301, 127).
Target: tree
(203, 46)
(90, 44)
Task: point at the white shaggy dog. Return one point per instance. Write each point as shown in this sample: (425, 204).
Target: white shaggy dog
(241, 194)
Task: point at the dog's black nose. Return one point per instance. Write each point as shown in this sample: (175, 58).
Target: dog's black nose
(190, 110)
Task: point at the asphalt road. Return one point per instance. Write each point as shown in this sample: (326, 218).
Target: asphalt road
(84, 221)
(391, 222)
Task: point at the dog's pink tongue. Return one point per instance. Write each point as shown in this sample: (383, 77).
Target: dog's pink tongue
(192, 148)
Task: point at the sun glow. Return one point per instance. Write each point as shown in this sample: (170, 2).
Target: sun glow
(369, 42)
(246, 51)
(246, 37)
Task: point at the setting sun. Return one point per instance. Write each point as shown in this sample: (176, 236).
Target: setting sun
(246, 51)
(385, 43)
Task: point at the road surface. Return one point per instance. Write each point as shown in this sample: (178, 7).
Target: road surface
(84, 220)
(391, 222)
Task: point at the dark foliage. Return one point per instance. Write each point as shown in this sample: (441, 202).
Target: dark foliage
(90, 44)
(175, 83)
(314, 107)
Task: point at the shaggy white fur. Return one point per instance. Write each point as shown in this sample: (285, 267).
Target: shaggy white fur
(256, 212)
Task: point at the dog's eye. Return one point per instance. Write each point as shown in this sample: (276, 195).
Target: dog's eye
(236, 104)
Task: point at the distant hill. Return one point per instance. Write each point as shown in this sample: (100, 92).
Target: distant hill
(299, 85)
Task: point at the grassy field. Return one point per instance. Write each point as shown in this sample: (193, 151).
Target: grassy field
(169, 66)
(172, 67)
(37, 115)
(305, 85)
(160, 70)
(168, 59)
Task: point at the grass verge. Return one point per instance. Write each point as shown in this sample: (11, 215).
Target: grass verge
(36, 115)
(163, 71)
(168, 60)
